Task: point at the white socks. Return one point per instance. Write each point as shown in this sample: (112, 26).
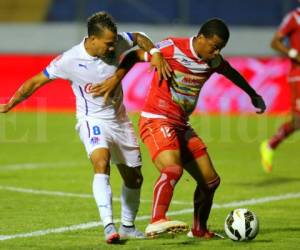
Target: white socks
(103, 196)
(130, 200)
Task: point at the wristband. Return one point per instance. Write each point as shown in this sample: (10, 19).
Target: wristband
(293, 53)
(153, 51)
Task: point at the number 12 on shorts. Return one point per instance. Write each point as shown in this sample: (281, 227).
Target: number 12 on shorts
(166, 131)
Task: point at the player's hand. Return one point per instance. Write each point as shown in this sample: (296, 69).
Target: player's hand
(106, 88)
(163, 68)
(259, 103)
(4, 108)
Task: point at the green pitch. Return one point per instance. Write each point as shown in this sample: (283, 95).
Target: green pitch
(46, 179)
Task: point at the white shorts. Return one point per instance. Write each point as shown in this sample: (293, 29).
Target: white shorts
(118, 137)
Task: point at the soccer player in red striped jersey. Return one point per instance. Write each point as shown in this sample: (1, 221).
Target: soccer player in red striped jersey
(164, 127)
(289, 29)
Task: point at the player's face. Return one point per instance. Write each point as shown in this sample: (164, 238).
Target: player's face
(104, 45)
(207, 48)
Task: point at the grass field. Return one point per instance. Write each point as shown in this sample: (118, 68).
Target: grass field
(45, 186)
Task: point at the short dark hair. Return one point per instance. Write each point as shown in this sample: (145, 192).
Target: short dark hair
(98, 21)
(215, 26)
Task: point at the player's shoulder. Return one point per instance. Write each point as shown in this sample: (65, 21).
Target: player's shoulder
(70, 54)
(291, 15)
(180, 40)
(73, 52)
(216, 62)
(164, 43)
(65, 59)
(173, 41)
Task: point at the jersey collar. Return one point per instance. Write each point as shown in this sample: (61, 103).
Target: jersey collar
(192, 48)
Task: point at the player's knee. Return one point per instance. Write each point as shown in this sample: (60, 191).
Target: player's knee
(138, 181)
(213, 185)
(101, 166)
(135, 181)
(173, 172)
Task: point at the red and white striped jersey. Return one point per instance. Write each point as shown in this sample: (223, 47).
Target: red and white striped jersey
(177, 98)
(290, 27)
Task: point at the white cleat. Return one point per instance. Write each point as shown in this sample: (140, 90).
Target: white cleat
(166, 226)
(130, 233)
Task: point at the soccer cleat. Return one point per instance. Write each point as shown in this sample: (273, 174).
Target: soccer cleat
(111, 234)
(267, 154)
(205, 234)
(130, 233)
(166, 226)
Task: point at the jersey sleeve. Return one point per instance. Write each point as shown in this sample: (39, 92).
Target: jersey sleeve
(124, 43)
(219, 65)
(57, 68)
(288, 24)
(126, 37)
(166, 47)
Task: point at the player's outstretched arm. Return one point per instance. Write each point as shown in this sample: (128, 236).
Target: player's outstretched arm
(233, 75)
(26, 89)
(157, 61)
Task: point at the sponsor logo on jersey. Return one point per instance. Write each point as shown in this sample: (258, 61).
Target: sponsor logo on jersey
(87, 88)
(185, 61)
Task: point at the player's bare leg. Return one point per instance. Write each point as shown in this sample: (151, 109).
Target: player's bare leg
(202, 170)
(169, 165)
(102, 192)
(130, 199)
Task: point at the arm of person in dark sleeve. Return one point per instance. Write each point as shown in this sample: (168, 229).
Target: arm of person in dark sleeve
(236, 78)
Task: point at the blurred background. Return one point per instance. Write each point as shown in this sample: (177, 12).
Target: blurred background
(34, 31)
(55, 25)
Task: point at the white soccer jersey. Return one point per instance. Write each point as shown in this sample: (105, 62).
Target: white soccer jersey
(83, 70)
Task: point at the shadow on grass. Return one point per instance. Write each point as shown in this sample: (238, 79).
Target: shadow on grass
(271, 181)
(281, 229)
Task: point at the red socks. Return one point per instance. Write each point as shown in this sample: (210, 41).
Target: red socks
(163, 191)
(283, 132)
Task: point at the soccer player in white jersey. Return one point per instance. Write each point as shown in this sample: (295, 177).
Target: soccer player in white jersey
(104, 128)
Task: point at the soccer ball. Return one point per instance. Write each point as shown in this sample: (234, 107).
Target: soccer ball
(241, 224)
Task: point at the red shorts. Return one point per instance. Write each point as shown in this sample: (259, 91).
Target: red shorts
(160, 134)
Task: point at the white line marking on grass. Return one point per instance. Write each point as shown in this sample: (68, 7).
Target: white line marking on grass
(34, 165)
(66, 194)
(146, 217)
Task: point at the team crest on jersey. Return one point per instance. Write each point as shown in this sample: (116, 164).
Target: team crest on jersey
(95, 140)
